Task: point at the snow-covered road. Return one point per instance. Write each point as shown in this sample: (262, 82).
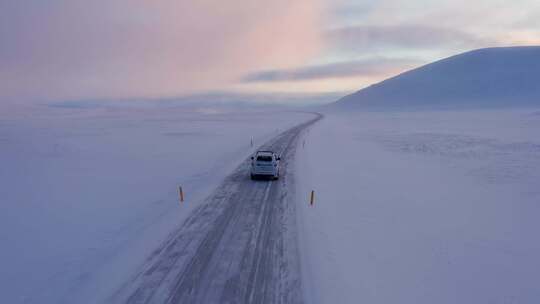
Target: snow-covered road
(238, 247)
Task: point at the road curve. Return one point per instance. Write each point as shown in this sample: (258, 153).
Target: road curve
(239, 246)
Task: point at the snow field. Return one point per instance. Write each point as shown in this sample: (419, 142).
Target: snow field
(88, 193)
(421, 207)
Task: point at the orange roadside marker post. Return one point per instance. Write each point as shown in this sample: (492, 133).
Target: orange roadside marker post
(181, 193)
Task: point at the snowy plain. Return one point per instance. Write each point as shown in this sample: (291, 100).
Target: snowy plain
(421, 207)
(89, 191)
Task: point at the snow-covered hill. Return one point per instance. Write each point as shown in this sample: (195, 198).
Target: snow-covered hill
(486, 77)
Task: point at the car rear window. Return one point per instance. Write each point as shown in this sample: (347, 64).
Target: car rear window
(264, 158)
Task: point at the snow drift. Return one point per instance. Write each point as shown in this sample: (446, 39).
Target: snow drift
(492, 77)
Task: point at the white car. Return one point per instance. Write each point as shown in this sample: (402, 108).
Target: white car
(265, 164)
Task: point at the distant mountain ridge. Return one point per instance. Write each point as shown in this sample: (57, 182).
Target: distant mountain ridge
(507, 76)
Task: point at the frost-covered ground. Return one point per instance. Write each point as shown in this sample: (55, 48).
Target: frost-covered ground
(87, 192)
(421, 207)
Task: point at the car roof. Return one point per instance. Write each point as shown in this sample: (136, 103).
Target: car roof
(265, 152)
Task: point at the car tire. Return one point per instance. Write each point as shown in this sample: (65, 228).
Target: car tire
(252, 177)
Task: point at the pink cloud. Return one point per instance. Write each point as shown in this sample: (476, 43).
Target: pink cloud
(60, 49)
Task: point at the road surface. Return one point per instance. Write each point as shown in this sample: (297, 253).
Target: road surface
(239, 246)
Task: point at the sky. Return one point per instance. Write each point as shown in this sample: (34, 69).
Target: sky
(57, 50)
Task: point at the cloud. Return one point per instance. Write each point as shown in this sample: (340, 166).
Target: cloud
(65, 49)
(359, 68)
(367, 38)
